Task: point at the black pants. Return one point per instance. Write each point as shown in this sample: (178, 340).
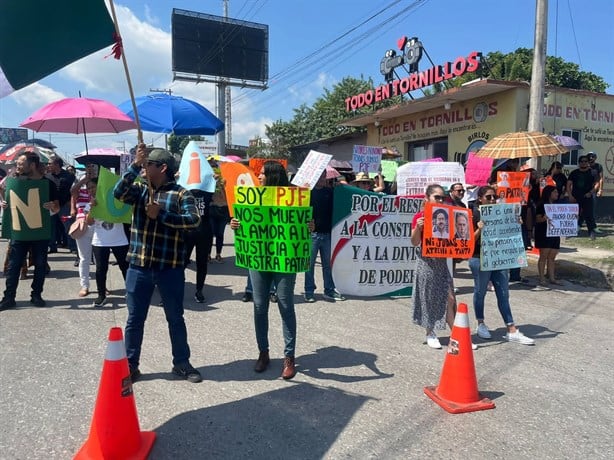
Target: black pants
(586, 212)
(101, 256)
(201, 239)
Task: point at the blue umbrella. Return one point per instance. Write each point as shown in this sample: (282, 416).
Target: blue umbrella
(165, 113)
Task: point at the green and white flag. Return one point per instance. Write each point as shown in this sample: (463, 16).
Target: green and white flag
(38, 37)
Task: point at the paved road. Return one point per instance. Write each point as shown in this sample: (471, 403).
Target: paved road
(358, 393)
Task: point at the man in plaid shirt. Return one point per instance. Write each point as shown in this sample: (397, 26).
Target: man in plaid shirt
(157, 253)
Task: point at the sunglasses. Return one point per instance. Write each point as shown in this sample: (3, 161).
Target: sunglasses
(439, 197)
(460, 190)
(490, 197)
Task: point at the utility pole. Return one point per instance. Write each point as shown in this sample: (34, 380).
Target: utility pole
(223, 105)
(538, 72)
(169, 92)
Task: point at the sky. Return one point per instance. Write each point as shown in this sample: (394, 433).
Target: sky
(313, 44)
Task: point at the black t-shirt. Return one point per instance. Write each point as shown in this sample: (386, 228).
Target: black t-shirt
(322, 205)
(478, 240)
(583, 182)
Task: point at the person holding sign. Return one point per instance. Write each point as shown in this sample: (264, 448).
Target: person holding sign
(29, 227)
(273, 174)
(499, 278)
(162, 211)
(433, 295)
(548, 245)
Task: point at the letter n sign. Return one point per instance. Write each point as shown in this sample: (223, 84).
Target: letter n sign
(25, 219)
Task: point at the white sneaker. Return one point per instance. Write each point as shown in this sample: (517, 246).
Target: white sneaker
(474, 346)
(518, 337)
(432, 341)
(483, 331)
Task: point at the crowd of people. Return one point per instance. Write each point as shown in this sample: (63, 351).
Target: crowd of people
(169, 222)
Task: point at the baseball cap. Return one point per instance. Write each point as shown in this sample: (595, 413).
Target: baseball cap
(591, 155)
(162, 156)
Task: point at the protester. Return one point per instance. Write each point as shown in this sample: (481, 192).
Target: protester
(559, 177)
(219, 215)
(200, 239)
(322, 208)
(107, 237)
(499, 278)
(28, 167)
(597, 171)
(581, 185)
(61, 221)
(548, 245)
(157, 254)
(457, 193)
(363, 181)
(273, 174)
(433, 294)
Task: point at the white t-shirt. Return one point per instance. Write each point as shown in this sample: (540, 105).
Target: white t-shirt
(107, 234)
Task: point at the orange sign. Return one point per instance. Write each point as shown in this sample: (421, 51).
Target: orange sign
(235, 174)
(256, 164)
(448, 231)
(513, 187)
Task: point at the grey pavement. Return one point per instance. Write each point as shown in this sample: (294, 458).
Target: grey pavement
(358, 394)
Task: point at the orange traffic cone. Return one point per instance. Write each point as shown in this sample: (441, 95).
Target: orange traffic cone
(115, 432)
(458, 389)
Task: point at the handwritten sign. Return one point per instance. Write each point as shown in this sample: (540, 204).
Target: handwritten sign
(389, 170)
(366, 158)
(256, 164)
(562, 219)
(25, 219)
(502, 246)
(273, 235)
(478, 170)
(108, 208)
(372, 254)
(513, 187)
(311, 169)
(413, 178)
(448, 232)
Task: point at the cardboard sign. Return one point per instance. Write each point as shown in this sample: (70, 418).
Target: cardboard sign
(513, 187)
(24, 218)
(448, 231)
(413, 178)
(478, 170)
(235, 174)
(310, 171)
(195, 172)
(562, 219)
(273, 235)
(371, 250)
(256, 164)
(366, 158)
(389, 170)
(502, 246)
(108, 208)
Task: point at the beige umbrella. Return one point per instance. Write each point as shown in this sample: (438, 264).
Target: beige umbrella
(521, 145)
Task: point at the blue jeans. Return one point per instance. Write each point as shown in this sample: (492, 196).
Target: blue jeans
(285, 282)
(320, 242)
(140, 283)
(249, 288)
(17, 256)
(500, 280)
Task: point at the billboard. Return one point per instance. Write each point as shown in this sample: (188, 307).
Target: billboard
(204, 44)
(8, 135)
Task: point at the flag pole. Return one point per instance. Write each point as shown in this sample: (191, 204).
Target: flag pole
(118, 49)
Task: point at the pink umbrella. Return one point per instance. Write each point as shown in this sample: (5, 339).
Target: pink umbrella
(331, 173)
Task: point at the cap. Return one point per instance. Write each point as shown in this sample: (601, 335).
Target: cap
(162, 156)
(591, 155)
(362, 177)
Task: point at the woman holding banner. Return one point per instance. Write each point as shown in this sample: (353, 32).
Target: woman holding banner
(433, 295)
(273, 174)
(499, 278)
(548, 245)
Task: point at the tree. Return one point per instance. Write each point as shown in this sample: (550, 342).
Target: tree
(176, 144)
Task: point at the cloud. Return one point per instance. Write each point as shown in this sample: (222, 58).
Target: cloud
(36, 95)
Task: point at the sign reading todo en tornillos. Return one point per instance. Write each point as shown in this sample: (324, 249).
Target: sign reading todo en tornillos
(502, 246)
(273, 235)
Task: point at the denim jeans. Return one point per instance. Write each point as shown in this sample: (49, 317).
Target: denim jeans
(140, 283)
(249, 288)
(500, 280)
(17, 256)
(285, 282)
(320, 242)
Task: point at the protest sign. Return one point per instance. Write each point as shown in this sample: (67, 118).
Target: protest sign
(108, 208)
(366, 158)
(195, 172)
(125, 160)
(448, 231)
(24, 218)
(371, 248)
(389, 170)
(236, 174)
(513, 187)
(273, 234)
(256, 164)
(311, 169)
(413, 178)
(502, 246)
(478, 170)
(562, 219)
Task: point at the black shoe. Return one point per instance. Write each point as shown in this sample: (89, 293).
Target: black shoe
(263, 361)
(135, 374)
(99, 302)
(52, 251)
(37, 301)
(76, 263)
(274, 298)
(247, 297)
(188, 373)
(199, 297)
(7, 304)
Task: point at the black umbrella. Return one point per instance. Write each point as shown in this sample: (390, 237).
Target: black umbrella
(37, 142)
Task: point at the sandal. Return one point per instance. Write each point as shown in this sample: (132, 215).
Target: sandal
(83, 292)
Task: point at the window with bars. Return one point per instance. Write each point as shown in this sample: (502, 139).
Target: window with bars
(570, 158)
